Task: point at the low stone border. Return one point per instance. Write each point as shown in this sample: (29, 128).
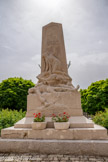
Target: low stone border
(66, 147)
(49, 158)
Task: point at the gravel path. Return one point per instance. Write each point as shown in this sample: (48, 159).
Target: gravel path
(49, 158)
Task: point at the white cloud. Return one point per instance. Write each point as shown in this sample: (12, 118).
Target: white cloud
(86, 69)
(85, 28)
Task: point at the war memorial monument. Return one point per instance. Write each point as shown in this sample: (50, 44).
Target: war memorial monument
(54, 93)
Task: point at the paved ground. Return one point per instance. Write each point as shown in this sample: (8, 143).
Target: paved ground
(49, 158)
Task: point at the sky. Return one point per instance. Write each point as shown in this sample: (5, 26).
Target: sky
(85, 28)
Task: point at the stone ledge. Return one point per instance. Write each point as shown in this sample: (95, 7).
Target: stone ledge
(75, 122)
(67, 147)
(96, 133)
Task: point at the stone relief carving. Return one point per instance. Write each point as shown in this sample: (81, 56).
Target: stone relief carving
(41, 89)
(51, 62)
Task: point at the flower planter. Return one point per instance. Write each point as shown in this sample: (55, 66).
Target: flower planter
(38, 125)
(61, 125)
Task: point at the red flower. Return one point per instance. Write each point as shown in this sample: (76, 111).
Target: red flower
(53, 115)
(34, 114)
(39, 114)
(64, 113)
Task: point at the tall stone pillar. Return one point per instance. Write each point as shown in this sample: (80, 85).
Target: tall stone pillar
(53, 41)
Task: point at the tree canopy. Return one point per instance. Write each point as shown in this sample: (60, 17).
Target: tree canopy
(13, 93)
(95, 98)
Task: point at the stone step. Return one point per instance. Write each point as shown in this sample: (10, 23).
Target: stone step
(97, 132)
(75, 122)
(67, 147)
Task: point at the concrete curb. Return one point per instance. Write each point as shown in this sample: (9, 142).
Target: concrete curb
(73, 147)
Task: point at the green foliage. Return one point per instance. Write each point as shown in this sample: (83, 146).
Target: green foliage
(39, 118)
(9, 117)
(95, 98)
(13, 93)
(101, 118)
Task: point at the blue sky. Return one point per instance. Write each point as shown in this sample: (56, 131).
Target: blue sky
(85, 27)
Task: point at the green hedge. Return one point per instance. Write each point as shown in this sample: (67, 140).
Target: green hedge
(9, 117)
(101, 118)
(13, 93)
(95, 98)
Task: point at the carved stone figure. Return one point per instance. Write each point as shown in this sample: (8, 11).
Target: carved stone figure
(51, 62)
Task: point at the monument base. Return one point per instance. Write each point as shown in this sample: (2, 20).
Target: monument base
(57, 102)
(66, 147)
(96, 133)
(75, 122)
(80, 128)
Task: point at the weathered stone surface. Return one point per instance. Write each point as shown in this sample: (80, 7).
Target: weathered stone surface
(73, 133)
(63, 147)
(59, 102)
(52, 39)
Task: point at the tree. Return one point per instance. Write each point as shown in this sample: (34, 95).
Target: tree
(13, 93)
(95, 98)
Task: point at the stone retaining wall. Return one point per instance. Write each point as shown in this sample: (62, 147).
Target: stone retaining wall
(48, 158)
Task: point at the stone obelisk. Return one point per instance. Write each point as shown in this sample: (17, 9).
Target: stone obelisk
(52, 40)
(54, 92)
(53, 56)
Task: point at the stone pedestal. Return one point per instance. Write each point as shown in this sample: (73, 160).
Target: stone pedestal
(58, 102)
(80, 128)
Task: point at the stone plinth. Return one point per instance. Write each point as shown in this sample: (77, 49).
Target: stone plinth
(59, 102)
(75, 122)
(97, 132)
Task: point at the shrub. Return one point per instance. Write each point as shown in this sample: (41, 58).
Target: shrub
(9, 117)
(101, 118)
(95, 98)
(13, 93)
